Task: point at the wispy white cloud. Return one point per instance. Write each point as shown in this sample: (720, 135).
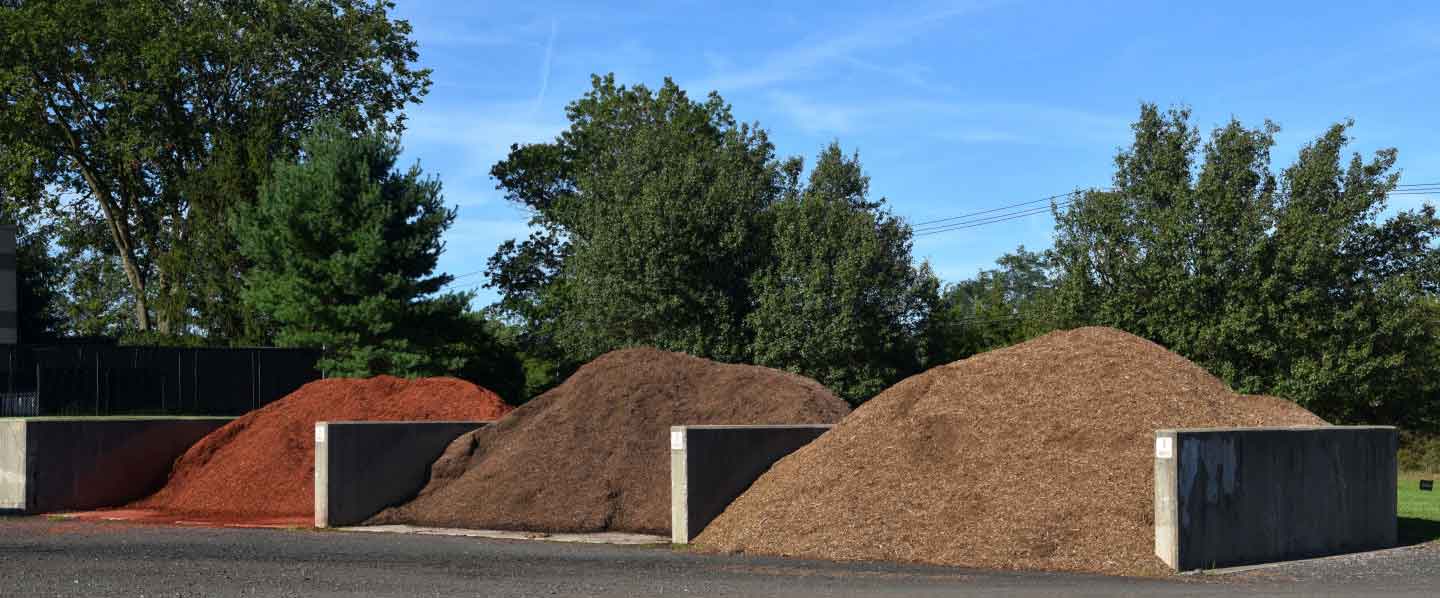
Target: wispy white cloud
(469, 244)
(806, 57)
(545, 68)
(817, 117)
(956, 121)
(470, 139)
(432, 31)
(630, 59)
(911, 74)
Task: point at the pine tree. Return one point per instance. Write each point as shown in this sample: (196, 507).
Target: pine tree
(344, 250)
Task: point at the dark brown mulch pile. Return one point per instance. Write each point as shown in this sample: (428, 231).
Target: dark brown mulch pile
(593, 453)
(1036, 456)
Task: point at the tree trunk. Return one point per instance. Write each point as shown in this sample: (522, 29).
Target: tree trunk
(119, 227)
(137, 283)
(120, 234)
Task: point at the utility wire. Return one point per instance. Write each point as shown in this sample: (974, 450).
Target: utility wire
(1010, 212)
(999, 318)
(456, 278)
(990, 220)
(992, 210)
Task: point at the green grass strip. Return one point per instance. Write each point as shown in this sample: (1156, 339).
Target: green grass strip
(1419, 511)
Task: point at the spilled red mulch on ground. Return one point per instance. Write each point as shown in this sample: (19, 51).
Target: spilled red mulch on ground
(593, 454)
(1036, 456)
(154, 517)
(262, 465)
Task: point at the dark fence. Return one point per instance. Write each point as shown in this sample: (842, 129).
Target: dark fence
(91, 379)
(19, 404)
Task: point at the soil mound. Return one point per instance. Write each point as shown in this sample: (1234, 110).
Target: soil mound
(1036, 456)
(262, 464)
(593, 453)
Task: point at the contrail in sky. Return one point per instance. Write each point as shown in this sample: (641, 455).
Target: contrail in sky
(545, 67)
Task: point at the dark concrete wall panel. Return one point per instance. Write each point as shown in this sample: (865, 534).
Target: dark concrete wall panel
(713, 465)
(86, 463)
(1227, 497)
(362, 468)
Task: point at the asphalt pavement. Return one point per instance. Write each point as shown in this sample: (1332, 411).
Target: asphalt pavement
(42, 557)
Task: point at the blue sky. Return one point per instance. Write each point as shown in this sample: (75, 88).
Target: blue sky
(954, 107)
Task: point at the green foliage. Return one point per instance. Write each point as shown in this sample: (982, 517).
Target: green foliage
(1287, 285)
(649, 208)
(153, 119)
(662, 221)
(541, 367)
(38, 275)
(1420, 453)
(837, 299)
(344, 250)
(997, 308)
(157, 339)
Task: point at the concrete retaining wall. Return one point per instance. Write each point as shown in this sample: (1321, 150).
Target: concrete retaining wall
(1239, 496)
(712, 465)
(64, 464)
(362, 468)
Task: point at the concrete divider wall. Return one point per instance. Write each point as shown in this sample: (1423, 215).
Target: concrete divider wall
(1239, 496)
(14, 476)
(61, 464)
(362, 468)
(712, 465)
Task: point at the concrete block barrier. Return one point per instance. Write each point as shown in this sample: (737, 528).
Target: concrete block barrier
(362, 468)
(1239, 496)
(50, 464)
(712, 465)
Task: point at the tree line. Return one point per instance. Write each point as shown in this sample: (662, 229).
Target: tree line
(225, 173)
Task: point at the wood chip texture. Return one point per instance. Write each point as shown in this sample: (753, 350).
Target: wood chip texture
(1036, 456)
(262, 465)
(593, 454)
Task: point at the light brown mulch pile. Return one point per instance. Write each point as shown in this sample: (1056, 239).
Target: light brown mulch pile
(1036, 456)
(593, 454)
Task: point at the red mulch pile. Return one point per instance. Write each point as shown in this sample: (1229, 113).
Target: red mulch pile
(1036, 456)
(593, 454)
(263, 465)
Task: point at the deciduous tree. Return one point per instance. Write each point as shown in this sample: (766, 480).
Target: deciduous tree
(837, 298)
(648, 216)
(154, 118)
(1291, 284)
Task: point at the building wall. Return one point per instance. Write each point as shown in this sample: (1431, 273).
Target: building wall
(9, 298)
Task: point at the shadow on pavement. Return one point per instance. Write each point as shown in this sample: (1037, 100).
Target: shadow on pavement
(1413, 530)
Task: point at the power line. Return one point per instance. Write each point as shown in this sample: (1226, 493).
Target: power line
(453, 279)
(1009, 212)
(469, 288)
(990, 220)
(973, 214)
(997, 318)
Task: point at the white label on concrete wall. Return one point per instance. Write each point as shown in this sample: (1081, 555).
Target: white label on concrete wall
(320, 433)
(677, 440)
(1164, 447)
